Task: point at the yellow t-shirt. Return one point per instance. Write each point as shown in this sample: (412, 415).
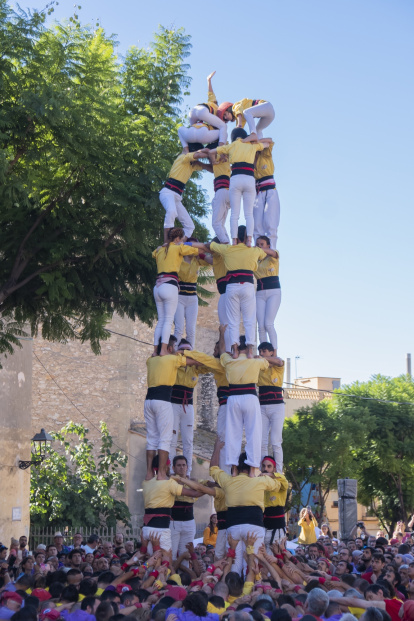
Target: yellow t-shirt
(240, 106)
(307, 533)
(222, 168)
(277, 499)
(239, 151)
(188, 272)
(182, 169)
(162, 370)
(213, 364)
(267, 267)
(219, 267)
(243, 370)
(171, 261)
(239, 257)
(220, 500)
(188, 376)
(160, 493)
(242, 490)
(272, 376)
(208, 538)
(264, 166)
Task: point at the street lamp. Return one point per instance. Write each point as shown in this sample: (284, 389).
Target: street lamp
(40, 442)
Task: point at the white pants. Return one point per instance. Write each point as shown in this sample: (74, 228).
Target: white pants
(186, 313)
(279, 534)
(220, 206)
(240, 532)
(166, 299)
(165, 541)
(267, 305)
(197, 134)
(181, 534)
(242, 186)
(266, 214)
(159, 421)
(221, 432)
(174, 208)
(201, 113)
(222, 315)
(184, 422)
(243, 411)
(273, 417)
(265, 112)
(221, 541)
(241, 303)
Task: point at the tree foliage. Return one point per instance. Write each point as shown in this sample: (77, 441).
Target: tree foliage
(73, 488)
(86, 142)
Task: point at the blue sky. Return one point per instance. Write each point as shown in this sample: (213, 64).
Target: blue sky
(339, 74)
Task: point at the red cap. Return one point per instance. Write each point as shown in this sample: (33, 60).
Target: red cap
(41, 594)
(222, 108)
(11, 595)
(123, 588)
(50, 613)
(177, 592)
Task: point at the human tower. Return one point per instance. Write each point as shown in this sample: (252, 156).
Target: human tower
(243, 173)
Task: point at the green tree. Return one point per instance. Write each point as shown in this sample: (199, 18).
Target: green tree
(385, 458)
(86, 142)
(316, 443)
(73, 488)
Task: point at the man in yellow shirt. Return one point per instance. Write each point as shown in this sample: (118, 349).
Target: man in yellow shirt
(274, 514)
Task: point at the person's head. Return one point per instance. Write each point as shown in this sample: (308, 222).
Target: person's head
(351, 545)
(241, 233)
(69, 594)
(201, 548)
(264, 604)
(195, 146)
(371, 614)
(317, 602)
(3, 552)
(119, 539)
(344, 555)
(55, 589)
(180, 465)
(361, 585)
(323, 565)
(371, 541)
(32, 600)
(77, 540)
(234, 583)
(39, 557)
(263, 242)
(28, 613)
(74, 576)
(242, 343)
(88, 587)
(129, 598)
(221, 589)
(378, 563)
(27, 564)
(11, 600)
(93, 541)
(105, 610)
(343, 568)
(90, 604)
(22, 542)
(376, 592)
(266, 350)
(392, 575)
(359, 543)
(129, 547)
(242, 466)
(108, 549)
(196, 603)
(102, 564)
(313, 551)
(58, 539)
(75, 558)
(225, 112)
(105, 578)
(51, 550)
(110, 596)
(175, 235)
(367, 556)
(268, 464)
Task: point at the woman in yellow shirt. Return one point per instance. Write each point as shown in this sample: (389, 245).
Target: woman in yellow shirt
(245, 111)
(308, 523)
(210, 532)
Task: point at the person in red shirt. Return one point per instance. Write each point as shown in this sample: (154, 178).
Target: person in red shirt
(376, 595)
(378, 564)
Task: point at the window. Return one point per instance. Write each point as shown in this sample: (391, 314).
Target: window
(336, 384)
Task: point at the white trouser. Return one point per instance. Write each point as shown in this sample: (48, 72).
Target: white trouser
(174, 208)
(184, 422)
(266, 214)
(241, 303)
(273, 416)
(166, 299)
(181, 534)
(267, 305)
(240, 532)
(165, 541)
(197, 134)
(221, 541)
(265, 112)
(243, 411)
(187, 311)
(220, 206)
(242, 186)
(222, 315)
(159, 421)
(221, 432)
(279, 534)
(201, 113)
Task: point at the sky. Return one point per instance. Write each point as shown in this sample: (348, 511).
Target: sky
(339, 75)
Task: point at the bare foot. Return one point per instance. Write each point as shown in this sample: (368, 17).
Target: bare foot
(235, 351)
(234, 471)
(185, 150)
(164, 350)
(249, 353)
(251, 138)
(253, 472)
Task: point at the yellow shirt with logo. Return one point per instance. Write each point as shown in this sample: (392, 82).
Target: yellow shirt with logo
(160, 493)
(240, 106)
(212, 364)
(242, 490)
(188, 272)
(277, 499)
(264, 163)
(188, 376)
(171, 261)
(239, 257)
(182, 169)
(162, 370)
(239, 151)
(243, 370)
(267, 267)
(272, 376)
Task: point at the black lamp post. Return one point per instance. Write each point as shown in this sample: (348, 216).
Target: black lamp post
(40, 442)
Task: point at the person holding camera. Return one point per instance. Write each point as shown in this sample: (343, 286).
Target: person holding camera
(307, 523)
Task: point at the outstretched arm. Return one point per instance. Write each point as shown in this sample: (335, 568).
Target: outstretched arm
(275, 361)
(198, 487)
(210, 88)
(218, 445)
(271, 252)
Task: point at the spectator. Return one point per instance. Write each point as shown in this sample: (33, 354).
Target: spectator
(77, 541)
(10, 603)
(91, 544)
(210, 532)
(308, 523)
(58, 541)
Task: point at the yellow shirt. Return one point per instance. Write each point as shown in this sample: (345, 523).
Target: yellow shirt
(213, 364)
(182, 169)
(188, 272)
(307, 533)
(222, 168)
(239, 257)
(219, 267)
(243, 370)
(268, 267)
(160, 493)
(272, 376)
(247, 589)
(240, 106)
(220, 500)
(171, 261)
(264, 164)
(162, 370)
(242, 490)
(277, 499)
(239, 151)
(208, 538)
(188, 376)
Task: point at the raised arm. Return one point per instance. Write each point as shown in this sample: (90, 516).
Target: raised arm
(209, 77)
(218, 445)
